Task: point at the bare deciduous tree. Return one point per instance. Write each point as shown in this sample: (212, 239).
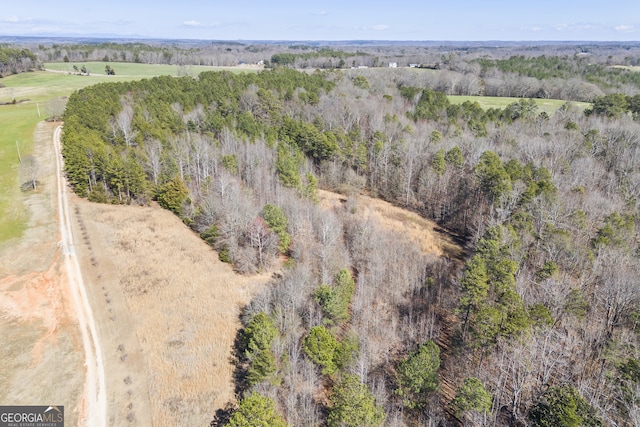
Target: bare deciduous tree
(124, 120)
(29, 172)
(153, 149)
(262, 240)
(55, 109)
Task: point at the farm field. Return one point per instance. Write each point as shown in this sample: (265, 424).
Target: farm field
(134, 70)
(17, 123)
(549, 106)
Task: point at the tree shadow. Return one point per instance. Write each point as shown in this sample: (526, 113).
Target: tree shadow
(240, 375)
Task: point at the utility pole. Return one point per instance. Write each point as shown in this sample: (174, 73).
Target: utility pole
(18, 148)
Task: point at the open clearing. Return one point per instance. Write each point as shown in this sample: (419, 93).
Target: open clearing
(166, 309)
(168, 312)
(426, 234)
(635, 68)
(549, 106)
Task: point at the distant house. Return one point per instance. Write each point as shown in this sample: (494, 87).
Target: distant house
(413, 65)
(362, 66)
(393, 65)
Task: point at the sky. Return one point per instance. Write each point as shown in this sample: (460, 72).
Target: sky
(455, 20)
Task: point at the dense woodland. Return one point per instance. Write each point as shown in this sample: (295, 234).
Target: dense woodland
(536, 325)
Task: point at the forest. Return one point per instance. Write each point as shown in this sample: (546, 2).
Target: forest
(537, 324)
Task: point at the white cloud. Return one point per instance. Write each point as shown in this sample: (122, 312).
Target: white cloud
(12, 19)
(193, 23)
(379, 27)
(581, 26)
(197, 24)
(624, 28)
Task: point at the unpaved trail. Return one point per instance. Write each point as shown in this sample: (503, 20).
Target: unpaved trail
(94, 410)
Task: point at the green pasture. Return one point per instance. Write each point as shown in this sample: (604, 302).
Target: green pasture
(32, 91)
(549, 106)
(17, 123)
(131, 70)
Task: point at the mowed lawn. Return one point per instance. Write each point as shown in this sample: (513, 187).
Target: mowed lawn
(35, 90)
(17, 123)
(549, 106)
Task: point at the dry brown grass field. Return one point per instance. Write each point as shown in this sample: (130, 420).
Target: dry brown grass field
(170, 313)
(421, 231)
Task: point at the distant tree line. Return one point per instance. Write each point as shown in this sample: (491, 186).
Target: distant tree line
(14, 61)
(561, 71)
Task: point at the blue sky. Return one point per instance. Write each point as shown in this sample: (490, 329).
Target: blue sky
(612, 20)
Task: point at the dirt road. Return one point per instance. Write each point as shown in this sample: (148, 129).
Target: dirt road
(95, 402)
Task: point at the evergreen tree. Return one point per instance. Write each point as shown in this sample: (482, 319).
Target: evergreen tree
(173, 195)
(258, 339)
(417, 375)
(321, 347)
(352, 405)
(563, 406)
(277, 222)
(256, 410)
(472, 396)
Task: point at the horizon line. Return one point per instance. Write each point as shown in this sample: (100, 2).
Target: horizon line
(116, 37)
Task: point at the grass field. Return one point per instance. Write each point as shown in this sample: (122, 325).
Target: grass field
(549, 106)
(635, 68)
(17, 123)
(129, 70)
(32, 91)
